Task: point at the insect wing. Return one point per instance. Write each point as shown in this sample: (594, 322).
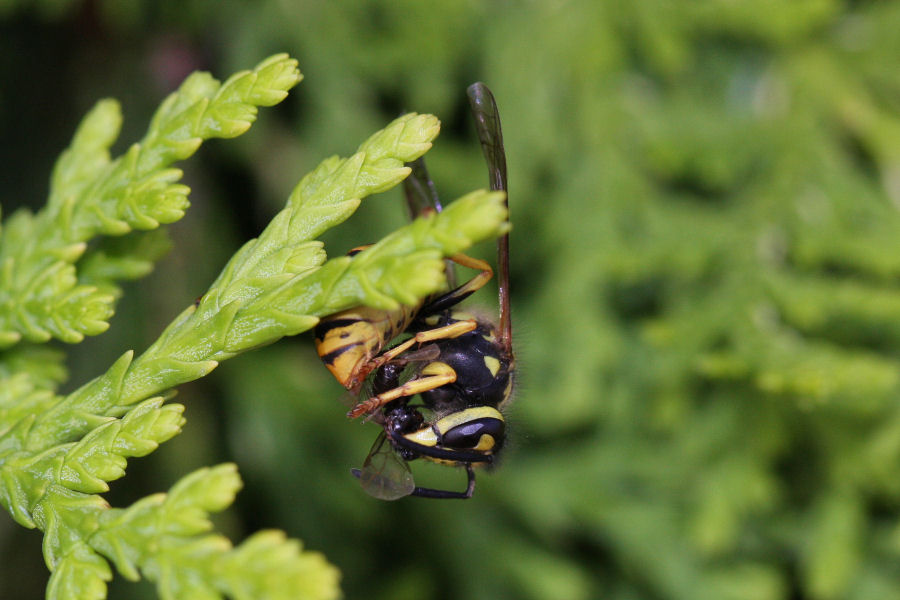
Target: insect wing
(421, 195)
(384, 474)
(490, 134)
(422, 198)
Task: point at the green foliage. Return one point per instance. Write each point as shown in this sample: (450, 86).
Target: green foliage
(58, 453)
(705, 257)
(705, 260)
(161, 536)
(90, 195)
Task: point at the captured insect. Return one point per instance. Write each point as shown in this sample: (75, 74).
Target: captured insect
(460, 366)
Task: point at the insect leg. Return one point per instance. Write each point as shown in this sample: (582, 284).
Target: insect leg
(455, 329)
(455, 296)
(447, 494)
(433, 376)
(452, 330)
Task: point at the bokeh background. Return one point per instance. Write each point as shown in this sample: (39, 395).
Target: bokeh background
(706, 282)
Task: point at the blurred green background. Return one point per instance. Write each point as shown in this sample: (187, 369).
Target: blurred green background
(706, 283)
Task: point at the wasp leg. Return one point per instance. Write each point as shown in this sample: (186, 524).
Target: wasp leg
(455, 296)
(477, 282)
(438, 494)
(433, 376)
(452, 330)
(441, 494)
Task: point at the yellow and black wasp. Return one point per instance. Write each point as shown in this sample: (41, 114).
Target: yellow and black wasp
(462, 365)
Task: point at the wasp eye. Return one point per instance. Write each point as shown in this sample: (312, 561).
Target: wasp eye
(471, 435)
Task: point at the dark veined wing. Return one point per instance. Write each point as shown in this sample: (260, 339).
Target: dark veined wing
(421, 198)
(384, 474)
(421, 195)
(490, 134)
(487, 124)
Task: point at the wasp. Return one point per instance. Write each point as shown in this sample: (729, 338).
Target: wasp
(462, 365)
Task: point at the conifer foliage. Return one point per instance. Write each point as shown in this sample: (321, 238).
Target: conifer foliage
(705, 262)
(58, 452)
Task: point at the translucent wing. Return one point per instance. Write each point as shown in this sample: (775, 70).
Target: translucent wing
(384, 474)
(421, 198)
(490, 134)
(421, 194)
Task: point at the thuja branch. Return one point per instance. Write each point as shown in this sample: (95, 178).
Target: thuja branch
(54, 461)
(42, 294)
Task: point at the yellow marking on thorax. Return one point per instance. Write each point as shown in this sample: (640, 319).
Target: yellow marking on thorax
(492, 364)
(507, 392)
(437, 368)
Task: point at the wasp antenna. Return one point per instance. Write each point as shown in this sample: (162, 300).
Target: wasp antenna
(490, 134)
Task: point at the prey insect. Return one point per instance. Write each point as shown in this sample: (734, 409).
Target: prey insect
(460, 366)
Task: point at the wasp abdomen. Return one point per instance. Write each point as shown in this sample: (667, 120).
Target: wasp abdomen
(347, 342)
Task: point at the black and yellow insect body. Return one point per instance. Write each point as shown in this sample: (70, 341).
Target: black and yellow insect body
(460, 366)
(350, 343)
(483, 369)
(464, 436)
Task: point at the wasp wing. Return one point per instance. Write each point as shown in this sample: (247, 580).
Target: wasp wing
(384, 474)
(422, 198)
(487, 125)
(421, 195)
(490, 134)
